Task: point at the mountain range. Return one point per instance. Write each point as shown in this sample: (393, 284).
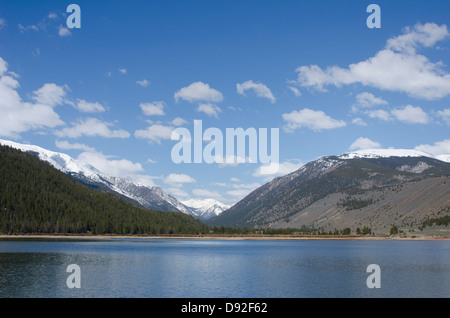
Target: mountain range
(151, 197)
(373, 188)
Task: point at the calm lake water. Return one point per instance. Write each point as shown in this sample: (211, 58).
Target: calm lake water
(177, 268)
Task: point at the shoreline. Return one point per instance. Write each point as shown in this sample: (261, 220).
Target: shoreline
(226, 237)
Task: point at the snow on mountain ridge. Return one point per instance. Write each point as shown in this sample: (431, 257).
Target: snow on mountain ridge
(382, 153)
(149, 196)
(206, 208)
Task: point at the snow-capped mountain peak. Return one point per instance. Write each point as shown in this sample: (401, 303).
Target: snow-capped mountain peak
(205, 208)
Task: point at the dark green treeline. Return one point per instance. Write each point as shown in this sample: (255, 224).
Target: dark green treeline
(36, 198)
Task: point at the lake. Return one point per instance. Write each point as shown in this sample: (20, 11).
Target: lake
(203, 268)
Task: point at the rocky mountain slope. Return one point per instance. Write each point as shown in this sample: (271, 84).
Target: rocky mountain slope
(376, 188)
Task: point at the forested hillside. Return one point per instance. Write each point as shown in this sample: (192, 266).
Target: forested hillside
(36, 198)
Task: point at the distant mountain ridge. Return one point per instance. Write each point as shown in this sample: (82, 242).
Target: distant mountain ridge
(205, 209)
(349, 190)
(151, 197)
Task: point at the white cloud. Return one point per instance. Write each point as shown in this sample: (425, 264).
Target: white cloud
(143, 83)
(23, 29)
(3, 67)
(366, 100)
(260, 90)
(198, 91)
(204, 193)
(396, 68)
(18, 116)
(315, 120)
(63, 31)
(52, 15)
(178, 193)
(179, 121)
(234, 108)
(378, 113)
(410, 114)
(64, 144)
(154, 133)
(364, 143)
(273, 169)
(50, 94)
(295, 90)
(153, 109)
(438, 148)
(426, 35)
(445, 115)
(89, 107)
(359, 121)
(123, 70)
(116, 167)
(209, 109)
(177, 180)
(92, 127)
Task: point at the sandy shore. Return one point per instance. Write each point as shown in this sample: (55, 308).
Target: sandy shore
(228, 237)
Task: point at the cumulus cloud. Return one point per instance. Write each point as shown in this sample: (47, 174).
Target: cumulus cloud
(438, 148)
(198, 91)
(379, 113)
(410, 114)
(19, 116)
(421, 35)
(366, 100)
(177, 180)
(445, 115)
(397, 67)
(89, 107)
(92, 127)
(50, 94)
(178, 193)
(153, 109)
(63, 31)
(273, 169)
(359, 121)
(64, 144)
(154, 133)
(364, 143)
(259, 89)
(179, 121)
(313, 119)
(209, 109)
(113, 167)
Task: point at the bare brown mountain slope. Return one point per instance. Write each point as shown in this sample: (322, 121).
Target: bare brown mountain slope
(405, 206)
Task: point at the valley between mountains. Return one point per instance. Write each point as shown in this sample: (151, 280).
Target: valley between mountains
(374, 190)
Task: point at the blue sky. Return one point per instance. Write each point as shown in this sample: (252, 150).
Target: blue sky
(112, 91)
